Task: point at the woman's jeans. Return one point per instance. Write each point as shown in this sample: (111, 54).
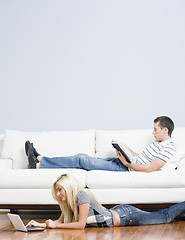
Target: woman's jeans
(131, 216)
(83, 161)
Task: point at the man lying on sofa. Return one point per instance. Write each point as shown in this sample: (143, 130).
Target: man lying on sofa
(152, 158)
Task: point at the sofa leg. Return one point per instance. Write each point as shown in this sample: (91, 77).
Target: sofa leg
(13, 211)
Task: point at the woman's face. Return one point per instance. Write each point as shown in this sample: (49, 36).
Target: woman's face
(61, 192)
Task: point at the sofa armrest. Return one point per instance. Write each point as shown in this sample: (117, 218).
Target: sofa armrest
(6, 164)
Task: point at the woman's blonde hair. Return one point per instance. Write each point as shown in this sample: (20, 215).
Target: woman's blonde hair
(69, 207)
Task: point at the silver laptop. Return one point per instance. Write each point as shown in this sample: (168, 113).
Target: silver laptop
(19, 225)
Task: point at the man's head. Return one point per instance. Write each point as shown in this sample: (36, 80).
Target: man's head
(163, 128)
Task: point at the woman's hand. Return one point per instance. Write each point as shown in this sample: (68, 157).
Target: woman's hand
(50, 224)
(33, 223)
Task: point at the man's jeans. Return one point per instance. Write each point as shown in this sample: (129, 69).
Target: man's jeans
(83, 161)
(131, 216)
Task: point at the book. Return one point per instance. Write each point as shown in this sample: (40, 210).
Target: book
(124, 151)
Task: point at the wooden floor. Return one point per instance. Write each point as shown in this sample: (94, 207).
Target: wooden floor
(172, 231)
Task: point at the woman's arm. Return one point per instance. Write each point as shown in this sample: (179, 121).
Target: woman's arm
(60, 220)
(80, 224)
(43, 225)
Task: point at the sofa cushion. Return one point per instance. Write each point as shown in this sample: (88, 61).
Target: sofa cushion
(51, 144)
(158, 179)
(36, 178)
(27, 197)
(139, 196)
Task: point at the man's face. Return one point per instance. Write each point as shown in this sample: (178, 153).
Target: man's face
(159, 133)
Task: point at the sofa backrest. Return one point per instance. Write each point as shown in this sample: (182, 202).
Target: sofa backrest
(137, 140)
(50, 144)
(95, 143)
(134, 139)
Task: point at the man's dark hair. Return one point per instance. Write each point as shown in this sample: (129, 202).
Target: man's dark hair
(165, 121)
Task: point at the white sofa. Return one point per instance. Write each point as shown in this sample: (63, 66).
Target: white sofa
(31, 188)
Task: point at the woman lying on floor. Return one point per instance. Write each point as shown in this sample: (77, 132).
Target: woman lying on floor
(79, 209)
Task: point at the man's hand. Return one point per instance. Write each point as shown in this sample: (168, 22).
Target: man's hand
(122, 158)
(155, 164)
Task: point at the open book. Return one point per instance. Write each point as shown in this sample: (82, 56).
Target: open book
(124, 151)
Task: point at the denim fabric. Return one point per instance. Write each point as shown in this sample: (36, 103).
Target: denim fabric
(84, 161)
(132, 216)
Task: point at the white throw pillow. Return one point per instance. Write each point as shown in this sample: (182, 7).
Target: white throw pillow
(181, 165)
(50, 144)
(179, 137)
(177, 159)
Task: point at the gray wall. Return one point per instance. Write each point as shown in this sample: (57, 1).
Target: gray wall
(80, 64)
